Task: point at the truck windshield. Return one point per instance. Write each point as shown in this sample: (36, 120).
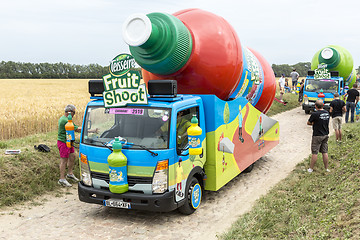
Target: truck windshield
(143, 126)
(327, 85)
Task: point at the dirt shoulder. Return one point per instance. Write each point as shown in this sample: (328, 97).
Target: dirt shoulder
(66, 216)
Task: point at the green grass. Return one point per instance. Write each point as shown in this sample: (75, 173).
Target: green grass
(31, 173)
(277, 107)
(319, 205)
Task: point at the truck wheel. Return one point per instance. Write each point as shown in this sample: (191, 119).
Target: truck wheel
(307, 111)
(193, 197)
(249, 168)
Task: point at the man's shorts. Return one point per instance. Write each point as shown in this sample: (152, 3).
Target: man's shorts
(64, 150)
(337, 122)
(319, 144)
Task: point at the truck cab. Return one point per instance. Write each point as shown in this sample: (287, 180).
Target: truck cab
(153, 153)
(315, 87)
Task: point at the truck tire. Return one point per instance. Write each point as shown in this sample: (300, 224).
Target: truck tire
(193, 197)
(249, 168)
(307, 111)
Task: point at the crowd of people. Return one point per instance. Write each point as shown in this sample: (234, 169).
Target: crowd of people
(320, 118)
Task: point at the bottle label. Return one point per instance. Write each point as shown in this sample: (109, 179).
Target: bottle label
(70, 136)
(194, 141)
(118, 175)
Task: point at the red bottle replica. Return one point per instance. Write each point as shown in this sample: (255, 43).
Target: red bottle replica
(202, 52)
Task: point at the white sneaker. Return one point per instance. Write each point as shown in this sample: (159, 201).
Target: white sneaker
(64, 183)
(72, 176)
(310, 170)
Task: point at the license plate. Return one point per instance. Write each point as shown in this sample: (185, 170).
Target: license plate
(117, 203)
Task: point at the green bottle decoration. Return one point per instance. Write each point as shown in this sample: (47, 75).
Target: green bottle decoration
(336, 58)
(117, 169)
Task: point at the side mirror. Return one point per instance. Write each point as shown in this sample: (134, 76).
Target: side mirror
(183, 151)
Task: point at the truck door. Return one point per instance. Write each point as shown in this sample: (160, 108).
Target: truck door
(182, 169)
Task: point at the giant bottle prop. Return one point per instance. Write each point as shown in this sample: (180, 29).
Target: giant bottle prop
(202, 52)
(337, 59)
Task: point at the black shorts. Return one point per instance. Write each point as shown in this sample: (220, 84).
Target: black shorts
(319, 144)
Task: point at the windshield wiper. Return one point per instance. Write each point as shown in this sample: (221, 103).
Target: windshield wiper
(129, 144)
(125, 144)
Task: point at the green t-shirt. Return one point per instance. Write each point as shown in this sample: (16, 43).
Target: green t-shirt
(61, 131)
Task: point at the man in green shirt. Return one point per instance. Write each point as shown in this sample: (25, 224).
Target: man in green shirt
(67, 155)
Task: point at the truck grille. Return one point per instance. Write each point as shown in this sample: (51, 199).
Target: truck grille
(131, 179)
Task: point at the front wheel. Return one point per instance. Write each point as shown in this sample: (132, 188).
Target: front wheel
(193, 197)
(307, 111)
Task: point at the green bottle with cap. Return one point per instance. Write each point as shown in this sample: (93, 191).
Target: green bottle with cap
(117, 169)
(336, 58)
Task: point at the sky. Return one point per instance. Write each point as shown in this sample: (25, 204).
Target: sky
(89, 31)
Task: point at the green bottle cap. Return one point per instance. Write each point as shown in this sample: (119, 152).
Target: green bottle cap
(194, 120)
(159, 42)
(69, 117)
(117, 144)
(329, 56)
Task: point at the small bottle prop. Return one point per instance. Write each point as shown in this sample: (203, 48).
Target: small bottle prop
(194, 133)
(321, 95)
(70, 132)
(117, 169)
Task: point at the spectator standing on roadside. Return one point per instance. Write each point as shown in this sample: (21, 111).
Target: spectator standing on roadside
(301, 91)
(282, 86)
(294, 78)
(287, 88)
(319, 142)
(67, 155)
(352, 98)
(337, 109)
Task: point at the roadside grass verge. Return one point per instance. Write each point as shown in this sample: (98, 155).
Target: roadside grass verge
(31, 173)
(277, 107)
(316, 205)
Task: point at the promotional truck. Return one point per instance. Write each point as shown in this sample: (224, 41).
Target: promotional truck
(332, 71)
(192, 120)
(321, 86)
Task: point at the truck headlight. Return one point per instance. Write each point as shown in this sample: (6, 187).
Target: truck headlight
(306, 99)
(160, 180)
(85, 175)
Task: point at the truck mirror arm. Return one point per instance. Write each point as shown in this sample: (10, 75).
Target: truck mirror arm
(180, 150)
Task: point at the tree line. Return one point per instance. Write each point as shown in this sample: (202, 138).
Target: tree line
(302, 68)
(13, 70)
(60, 70)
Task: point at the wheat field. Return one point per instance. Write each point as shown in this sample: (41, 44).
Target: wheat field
(30, 106)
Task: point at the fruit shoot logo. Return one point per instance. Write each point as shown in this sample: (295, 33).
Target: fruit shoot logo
(122, 84)
(322, 72)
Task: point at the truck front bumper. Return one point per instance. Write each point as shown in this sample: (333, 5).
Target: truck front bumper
(158, 202)
(310, 107)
